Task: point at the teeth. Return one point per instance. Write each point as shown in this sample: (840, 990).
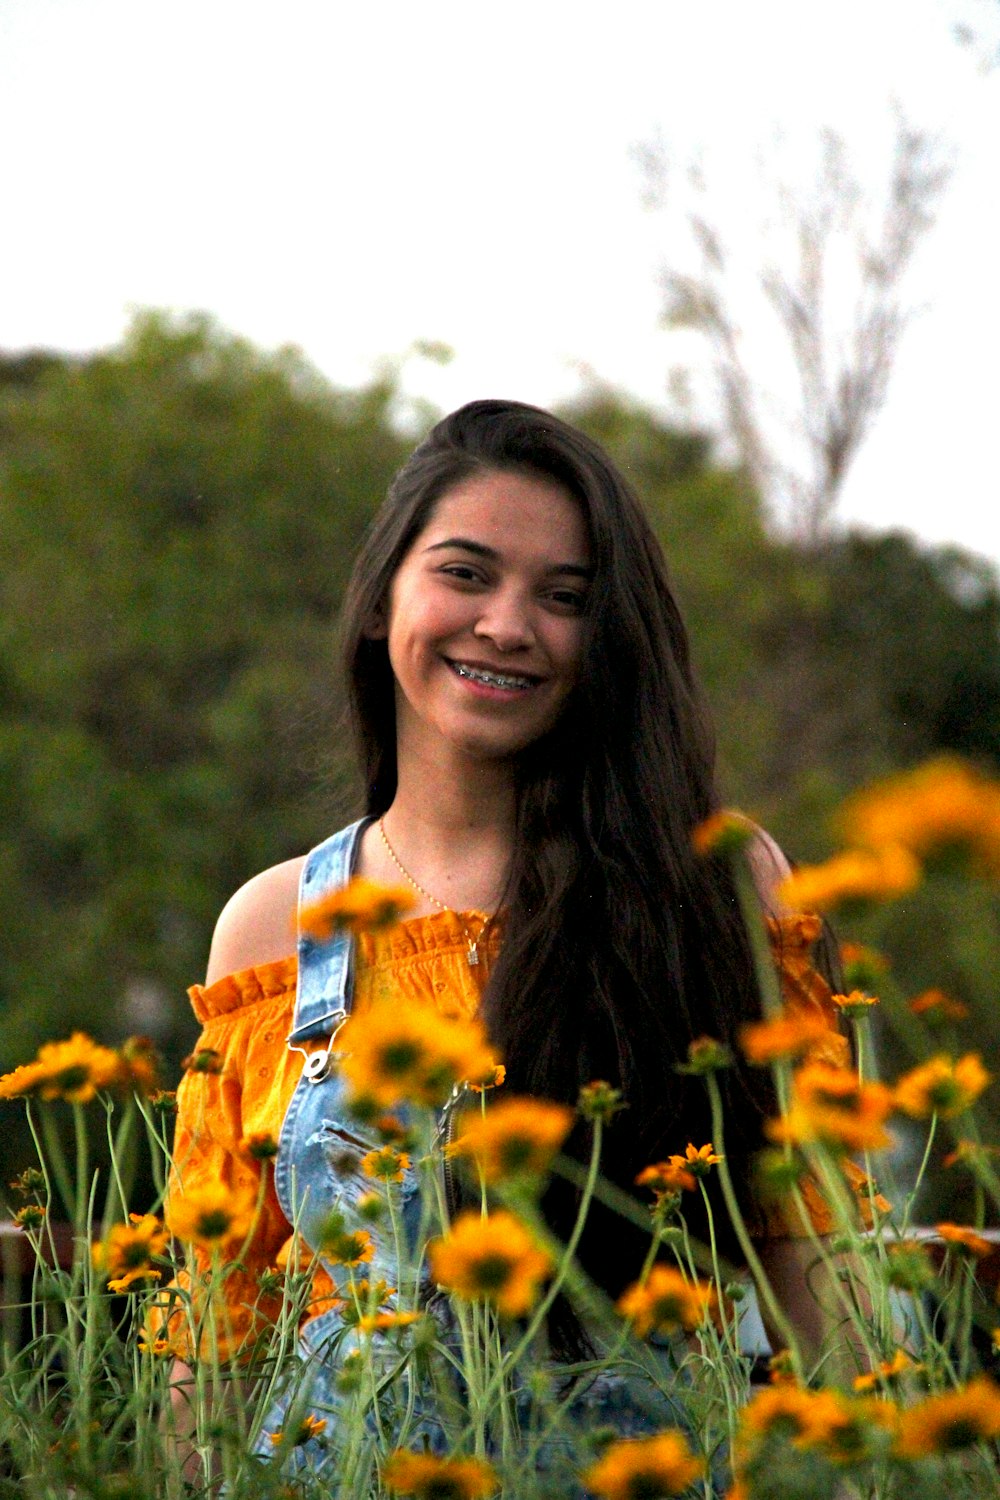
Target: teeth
(491, 679)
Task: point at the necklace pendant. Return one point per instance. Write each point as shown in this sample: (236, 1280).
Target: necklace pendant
(473, 955)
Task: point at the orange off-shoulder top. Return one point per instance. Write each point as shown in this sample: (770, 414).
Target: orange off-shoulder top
(246, 1018)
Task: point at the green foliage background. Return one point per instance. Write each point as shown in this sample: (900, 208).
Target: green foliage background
(178, 516)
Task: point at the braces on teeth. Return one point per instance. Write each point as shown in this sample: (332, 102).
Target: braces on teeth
(491, 679)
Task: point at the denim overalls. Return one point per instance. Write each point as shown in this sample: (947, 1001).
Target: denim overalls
(314, 1173)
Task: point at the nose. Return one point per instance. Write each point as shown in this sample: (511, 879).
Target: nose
(505, 620)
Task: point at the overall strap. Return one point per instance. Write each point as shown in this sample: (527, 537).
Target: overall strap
(323, 996)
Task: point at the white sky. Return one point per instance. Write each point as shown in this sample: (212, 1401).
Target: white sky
(352, 178)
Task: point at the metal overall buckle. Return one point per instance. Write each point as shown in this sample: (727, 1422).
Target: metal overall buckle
(317, 1064)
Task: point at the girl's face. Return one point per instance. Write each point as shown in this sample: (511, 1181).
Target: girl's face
(486, 616)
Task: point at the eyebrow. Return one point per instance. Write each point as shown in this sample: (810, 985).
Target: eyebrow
(490, 554)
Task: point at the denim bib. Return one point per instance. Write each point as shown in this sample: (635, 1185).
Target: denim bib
(320, 1145)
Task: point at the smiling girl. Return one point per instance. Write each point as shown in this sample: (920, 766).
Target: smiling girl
(535, 754)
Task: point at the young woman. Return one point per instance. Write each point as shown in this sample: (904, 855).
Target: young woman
(535, 754)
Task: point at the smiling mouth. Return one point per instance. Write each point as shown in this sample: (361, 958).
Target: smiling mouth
(509, 681)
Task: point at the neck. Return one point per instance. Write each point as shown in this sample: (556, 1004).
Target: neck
(452, 828)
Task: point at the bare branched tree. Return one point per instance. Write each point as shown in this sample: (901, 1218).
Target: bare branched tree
(831, 286)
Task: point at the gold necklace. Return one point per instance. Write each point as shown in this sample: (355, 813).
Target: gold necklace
(472, 957)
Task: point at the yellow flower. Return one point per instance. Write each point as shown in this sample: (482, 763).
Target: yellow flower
(834, 1108)
(430, 1478)
(381, 1322)
(387, 1163)
(723, 832)
(955, 1420)
(854, 875)
(360, 906)
(310, 1427)
(212, 1216)
(644, 1468)
(490, 1259)
(941, 1086)
(343, 1246)
(666, 1301)
(410, 1052)
(75, 1070)
(968, 1239)
(516, 1137)
(126, 1253)
(941, 807)
(789, 1035)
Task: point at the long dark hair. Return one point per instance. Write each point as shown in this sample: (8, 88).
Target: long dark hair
(621, 945)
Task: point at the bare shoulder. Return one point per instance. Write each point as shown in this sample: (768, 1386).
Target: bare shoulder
(257, 924)
(768, 866)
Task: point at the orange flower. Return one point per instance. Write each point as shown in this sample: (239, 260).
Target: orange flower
(889, 1373)
(411, 1052)
(723, 832)
(955, 1420)
(942, 807)
(857, 1000)
(841, 1427)
(492, 1259)
(968, 1239)
(935, 1004)
(645, 1466)
(310, 1427)
(834, 1108)
(666, 1301)
(74, 1070)
(516, 1137)
(942, 1086)
(666, 1177)
(212, 1216)
(126, 1253)
(427, 1477)
(854, 875)
(789, 1035)
(491, 1080)
(359, 906)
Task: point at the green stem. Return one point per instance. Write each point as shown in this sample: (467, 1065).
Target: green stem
(764, 1288)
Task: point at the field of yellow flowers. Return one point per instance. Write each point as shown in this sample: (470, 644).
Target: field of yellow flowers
(155, 1361)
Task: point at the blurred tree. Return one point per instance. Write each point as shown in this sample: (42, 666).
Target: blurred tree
(179, 515)
(802, 344)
